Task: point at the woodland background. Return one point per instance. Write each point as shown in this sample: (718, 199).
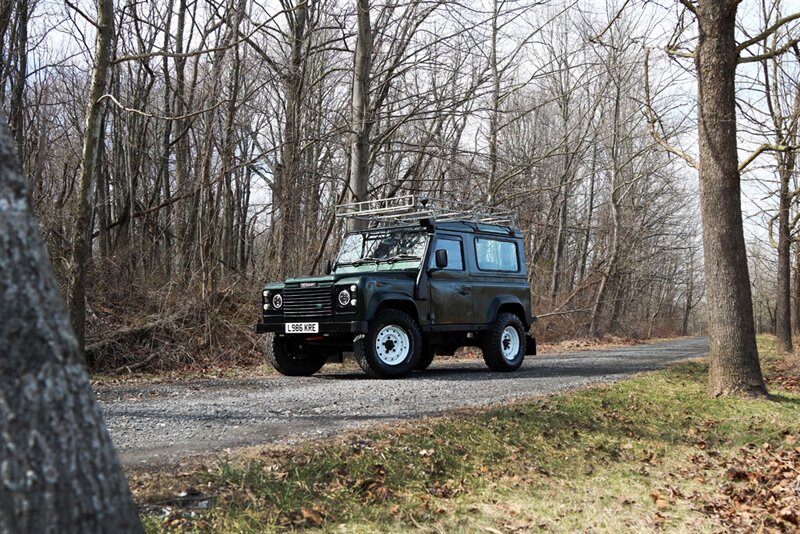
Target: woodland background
(227, 132)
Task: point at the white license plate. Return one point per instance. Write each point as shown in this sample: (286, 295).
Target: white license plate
(302, 328)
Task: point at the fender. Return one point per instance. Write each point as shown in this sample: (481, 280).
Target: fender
(494, 306)
(395, 296)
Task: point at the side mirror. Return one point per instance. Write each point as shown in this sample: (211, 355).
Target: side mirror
(441, 259)
(328, 266)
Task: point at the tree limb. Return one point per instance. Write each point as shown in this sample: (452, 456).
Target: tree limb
(651, 118)
(766, 33)
(771, 54)
(161, 117)
(689, 5)
(766, 148)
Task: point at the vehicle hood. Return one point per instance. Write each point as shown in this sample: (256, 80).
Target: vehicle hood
(344, 278)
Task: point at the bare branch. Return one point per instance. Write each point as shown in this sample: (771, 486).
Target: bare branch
(161, 117)
(771, 54)
(689, 5)
(769, 31)
(679, 53)
(766, 148)
(651, 118)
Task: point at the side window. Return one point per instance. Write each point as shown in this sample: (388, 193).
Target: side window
(455, 257)
(494, 255)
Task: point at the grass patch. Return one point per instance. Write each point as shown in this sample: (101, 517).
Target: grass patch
(638, 455)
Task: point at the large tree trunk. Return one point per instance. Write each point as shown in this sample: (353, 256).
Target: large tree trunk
(735, 369)
(60, 472)
(92, 137)
(361, 126)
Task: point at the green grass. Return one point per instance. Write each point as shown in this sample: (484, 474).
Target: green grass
(627, 457)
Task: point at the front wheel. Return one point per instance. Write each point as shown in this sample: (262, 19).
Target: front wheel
(391, 347)
(290, 357)
(504, 344)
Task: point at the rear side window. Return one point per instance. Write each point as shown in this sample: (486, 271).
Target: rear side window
(455, 258)
(496, 255)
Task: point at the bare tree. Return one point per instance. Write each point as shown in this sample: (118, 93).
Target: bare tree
(735, 368)
(92, 139)
(361, 121)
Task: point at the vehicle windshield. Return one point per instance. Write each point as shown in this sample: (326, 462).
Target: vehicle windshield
(386, 249)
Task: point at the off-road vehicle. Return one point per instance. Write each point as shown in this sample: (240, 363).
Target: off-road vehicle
(425, 277)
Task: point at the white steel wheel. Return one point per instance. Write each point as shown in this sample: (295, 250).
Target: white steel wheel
(509, 343)
(392, 344)
(391, 347)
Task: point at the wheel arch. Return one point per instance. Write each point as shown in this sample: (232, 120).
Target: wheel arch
(394, 301)
(507, 304)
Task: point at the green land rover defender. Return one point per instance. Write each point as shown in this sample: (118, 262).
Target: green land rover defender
(423, 277)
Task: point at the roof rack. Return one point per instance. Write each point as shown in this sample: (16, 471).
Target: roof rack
(411, 208)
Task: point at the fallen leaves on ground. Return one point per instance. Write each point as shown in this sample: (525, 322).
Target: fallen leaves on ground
(761, 491)
(784, 373)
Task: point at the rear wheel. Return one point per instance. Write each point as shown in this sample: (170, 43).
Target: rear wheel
(391, 347)
(289, 356)
(504, 344)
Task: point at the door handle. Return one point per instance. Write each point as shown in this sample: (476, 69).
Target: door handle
(464, 290)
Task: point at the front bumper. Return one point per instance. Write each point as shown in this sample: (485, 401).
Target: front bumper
(326, 326)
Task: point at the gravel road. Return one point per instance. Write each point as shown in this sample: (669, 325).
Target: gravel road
(164, 423)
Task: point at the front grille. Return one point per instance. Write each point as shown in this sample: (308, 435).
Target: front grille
(302, 301)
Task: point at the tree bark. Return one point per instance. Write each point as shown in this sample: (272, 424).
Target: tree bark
(288, 176)
(494, 119)
(796, 293)
(17, 122)
(783, 313)
(59, 469)
(92, 137)
(361, 125)
(734, 364)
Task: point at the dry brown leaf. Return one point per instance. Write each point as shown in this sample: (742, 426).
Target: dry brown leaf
(312, 516)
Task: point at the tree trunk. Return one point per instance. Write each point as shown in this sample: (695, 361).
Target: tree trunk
(494, 119)
(735, 368)
(796, 293)
(60, 472)
(359, 142)
(92, 137)
(288, 176)
(783, 313)
(17, 112)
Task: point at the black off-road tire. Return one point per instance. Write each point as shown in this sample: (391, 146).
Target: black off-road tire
(289, 357)
(365, 352)
(426, 356)
(493, 343)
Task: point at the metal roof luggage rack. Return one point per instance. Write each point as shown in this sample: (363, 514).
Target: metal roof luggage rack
(409, 209)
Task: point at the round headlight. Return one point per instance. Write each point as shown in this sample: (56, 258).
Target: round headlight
(344, 297)
(266, 294)
(277, 301)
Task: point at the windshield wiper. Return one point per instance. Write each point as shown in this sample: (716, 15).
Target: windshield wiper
(368, 259)
(401, 257)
